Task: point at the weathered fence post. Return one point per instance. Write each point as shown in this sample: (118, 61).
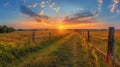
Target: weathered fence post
(88, 35)
(110, 50)
(33, 36)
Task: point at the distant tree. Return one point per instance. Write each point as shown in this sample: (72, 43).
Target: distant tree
(11, 29)
(5, 29)
(20, 29)
(0, 29)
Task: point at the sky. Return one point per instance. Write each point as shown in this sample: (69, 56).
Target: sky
(52, 14)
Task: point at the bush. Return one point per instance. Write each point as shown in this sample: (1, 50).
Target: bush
(5, 29)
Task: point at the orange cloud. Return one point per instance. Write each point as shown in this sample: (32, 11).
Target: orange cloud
(33, 25)
(97, 25)
(55, 25)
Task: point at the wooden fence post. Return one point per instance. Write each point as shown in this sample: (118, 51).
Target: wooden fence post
(88, 33)
(33, 36)
(110, 49)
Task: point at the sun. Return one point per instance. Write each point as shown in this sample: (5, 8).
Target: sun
(61, 27)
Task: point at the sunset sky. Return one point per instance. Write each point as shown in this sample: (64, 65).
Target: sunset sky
(52, 14)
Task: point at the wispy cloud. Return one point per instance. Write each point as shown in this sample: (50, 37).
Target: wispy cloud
(100, 2)
(78, 9)
(114, 5)
(52, 6)
(6, 4)
(78, 18)
(42, 4)
(118, 11)
(33, 6)
(23, 1)
(28, 12)
(41, 12)
(56, 10)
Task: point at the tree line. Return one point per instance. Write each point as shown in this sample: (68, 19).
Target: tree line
(6, 29)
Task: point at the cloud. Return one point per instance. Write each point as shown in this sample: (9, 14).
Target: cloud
(115, 1)
(41, 12)
(100, 2)
(52, 6)
(42, 4)
(114, 5)
(118, 11)
(78, 18)
(23, 1)
(28, 12)
(96, 13)
(6, 4)
(56, 9)
(33, 6)
(80, 9)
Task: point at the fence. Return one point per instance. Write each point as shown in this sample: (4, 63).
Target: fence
(33, 35)
(109, 56)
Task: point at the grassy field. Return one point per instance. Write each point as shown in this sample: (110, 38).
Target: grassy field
(63, 49)
(100, 39)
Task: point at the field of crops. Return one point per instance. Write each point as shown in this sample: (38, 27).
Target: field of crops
(64, 48)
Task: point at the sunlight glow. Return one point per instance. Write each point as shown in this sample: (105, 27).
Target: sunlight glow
(61, 27)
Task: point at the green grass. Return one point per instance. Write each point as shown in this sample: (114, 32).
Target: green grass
(68, 50)
(102, 44)
(14, 55)
(44, 58)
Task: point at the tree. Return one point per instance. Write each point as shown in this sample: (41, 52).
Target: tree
(5, 29)
(11, 29)
(0, 29)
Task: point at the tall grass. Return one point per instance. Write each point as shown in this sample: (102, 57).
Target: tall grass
(10, 55)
